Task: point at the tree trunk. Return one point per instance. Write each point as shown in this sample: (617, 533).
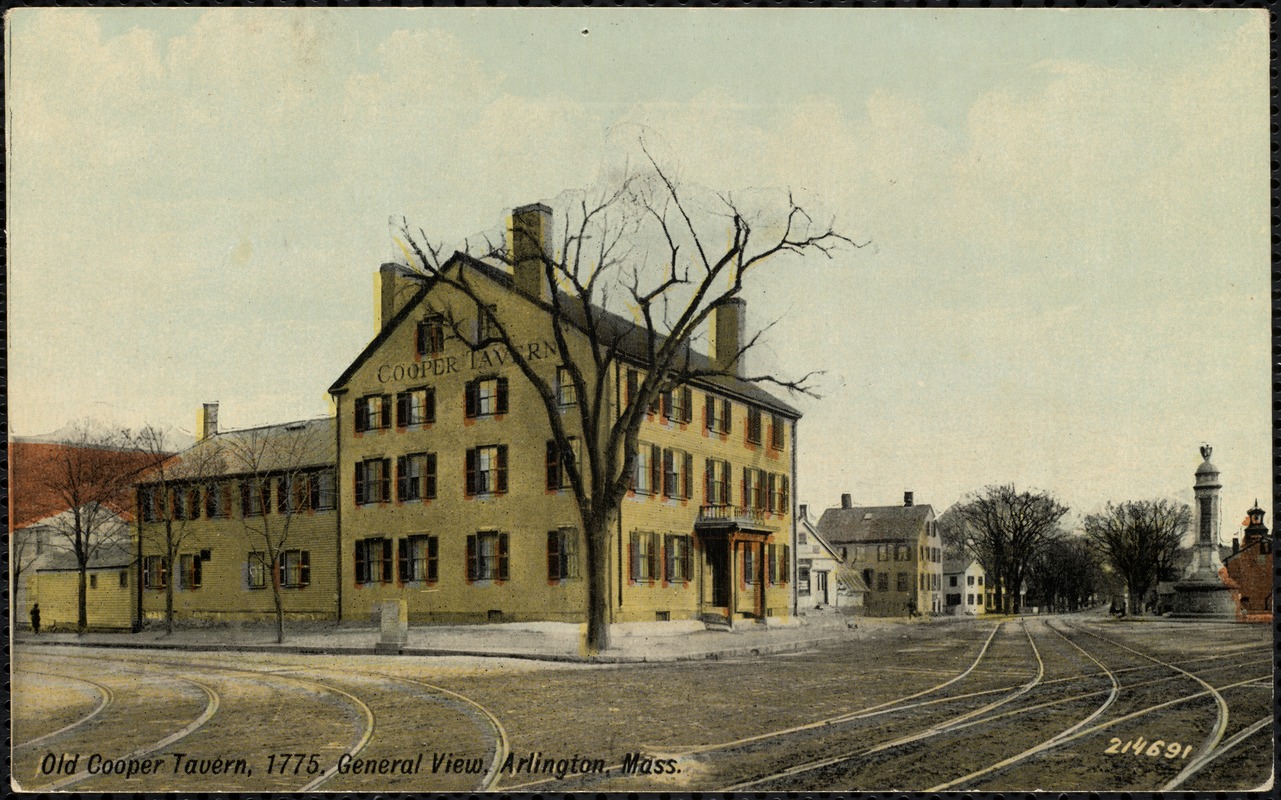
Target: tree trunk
(280, 605)
(82, 609)
(597, 544)
(169, 557)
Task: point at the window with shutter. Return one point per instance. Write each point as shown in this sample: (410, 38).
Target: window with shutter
(655, 467)
(553, 556)
(431, 336)
(669, 473)
(776, 431)
(553, 465)
(470, 473)
(754, 425)
(256, 571)
(386, 561)
(472, 568)
(687, 482)
(501, 479)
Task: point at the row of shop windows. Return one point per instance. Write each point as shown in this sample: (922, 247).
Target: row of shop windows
(488, 396)
(902, 581)
(309, 491)
(294, 566)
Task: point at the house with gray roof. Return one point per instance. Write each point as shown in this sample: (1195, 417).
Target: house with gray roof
(896, 550)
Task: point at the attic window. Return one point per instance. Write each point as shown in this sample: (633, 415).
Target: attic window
(867, 516)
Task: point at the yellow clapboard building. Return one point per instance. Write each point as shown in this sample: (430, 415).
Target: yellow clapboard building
(452, 498)
(438, 483)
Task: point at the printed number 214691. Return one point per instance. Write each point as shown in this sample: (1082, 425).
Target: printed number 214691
(1142, 747)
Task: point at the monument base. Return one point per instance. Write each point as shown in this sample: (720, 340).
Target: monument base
(1204, 600)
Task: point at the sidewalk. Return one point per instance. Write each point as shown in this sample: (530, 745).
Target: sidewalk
(550, 641)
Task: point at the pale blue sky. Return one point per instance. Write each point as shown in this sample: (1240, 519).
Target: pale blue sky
(1067, 285)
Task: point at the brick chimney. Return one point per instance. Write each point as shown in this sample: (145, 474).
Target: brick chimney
(907, 499)
(207, 424)
(394, 286)
(726, 335)
(847, 501)
(529, 241)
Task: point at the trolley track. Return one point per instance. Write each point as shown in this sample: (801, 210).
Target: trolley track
(320, 680)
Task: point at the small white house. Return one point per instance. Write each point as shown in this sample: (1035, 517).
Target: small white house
(823, 581)
(963, 586)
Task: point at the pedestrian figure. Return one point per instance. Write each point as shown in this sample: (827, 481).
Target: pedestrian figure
(911, 609)
(35, 618)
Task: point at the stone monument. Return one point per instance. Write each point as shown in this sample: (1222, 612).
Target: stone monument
(1205, 590)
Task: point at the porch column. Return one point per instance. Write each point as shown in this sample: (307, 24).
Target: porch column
(732, 557)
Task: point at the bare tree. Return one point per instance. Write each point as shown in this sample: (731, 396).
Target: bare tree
(1005, 529)
(283, 457)
(91, 476)
(24, 552)
(171, 496)
(1064, 576)
(642, 245)
(1139, 540)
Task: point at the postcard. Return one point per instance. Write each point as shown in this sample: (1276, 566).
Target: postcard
(616, 400)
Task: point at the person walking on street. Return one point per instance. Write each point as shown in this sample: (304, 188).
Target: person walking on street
(35, 618)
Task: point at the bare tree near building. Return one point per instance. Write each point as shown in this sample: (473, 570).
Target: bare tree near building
(274, 464)
(1064, 576)
(92, 477)
(639, 245)
(1139, 540)
(1005, 529)
(24, 552)
(172, 496)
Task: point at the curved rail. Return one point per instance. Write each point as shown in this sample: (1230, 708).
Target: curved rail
(104, 693)
(1221, 723)
(935, 730)
(1201, 762)
(211, 708)
(363, 740)
(501, 744)
(822, 723)
(1111, 698)
(351, 751)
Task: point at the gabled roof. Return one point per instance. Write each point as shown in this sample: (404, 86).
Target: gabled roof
(282, 447)
(874, 523)
(957, 564)
(633, 346)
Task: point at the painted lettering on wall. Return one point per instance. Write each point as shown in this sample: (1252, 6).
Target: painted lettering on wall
(489, 358)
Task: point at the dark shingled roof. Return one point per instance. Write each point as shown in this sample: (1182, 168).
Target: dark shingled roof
(632, 342)
(112, 555)
(874, 523)
(316, 446)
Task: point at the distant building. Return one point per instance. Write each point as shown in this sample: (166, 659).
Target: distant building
(823, 579)
(38, 514)
(1250, 568)
(895, 549)
(963, 587)
(110, 591)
